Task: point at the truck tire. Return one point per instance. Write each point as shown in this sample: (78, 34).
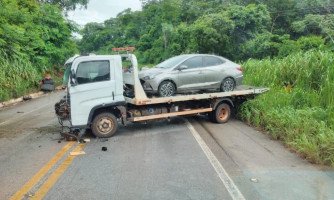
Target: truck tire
(221, 114)
(104, 125)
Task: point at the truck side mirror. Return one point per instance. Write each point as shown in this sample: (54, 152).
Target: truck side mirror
(183, 67)
(73, 78)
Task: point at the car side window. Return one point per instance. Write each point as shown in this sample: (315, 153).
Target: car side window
(93, 71)
(212, 61)
(194, 62)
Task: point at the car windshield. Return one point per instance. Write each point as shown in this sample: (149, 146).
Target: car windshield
(171, 62)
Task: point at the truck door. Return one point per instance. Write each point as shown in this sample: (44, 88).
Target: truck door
(190, 75)
(95, 86)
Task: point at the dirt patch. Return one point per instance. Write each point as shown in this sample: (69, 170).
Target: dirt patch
(12, 130)
(47, 129)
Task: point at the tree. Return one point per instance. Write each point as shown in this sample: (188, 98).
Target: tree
(91, 37)
(237, 29)
(67, 5)
(316, 25)
(34, 37)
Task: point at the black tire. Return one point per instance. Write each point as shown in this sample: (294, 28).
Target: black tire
(221, 114)
(227, 85)
(104, 125)
(166, 89)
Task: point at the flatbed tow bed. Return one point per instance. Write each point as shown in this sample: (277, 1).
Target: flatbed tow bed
(245, 91)
(99, 106)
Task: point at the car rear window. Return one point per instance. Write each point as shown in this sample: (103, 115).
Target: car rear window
(212, 61)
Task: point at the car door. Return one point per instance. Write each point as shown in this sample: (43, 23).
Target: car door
(95, 86)
(191, 77)
(213, 71)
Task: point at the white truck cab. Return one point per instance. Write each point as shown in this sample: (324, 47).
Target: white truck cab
(95, 81)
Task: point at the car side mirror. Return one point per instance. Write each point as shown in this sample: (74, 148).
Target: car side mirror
(73, 78)
(183, 67)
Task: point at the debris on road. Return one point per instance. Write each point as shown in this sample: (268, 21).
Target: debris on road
(104, 149)
(255, 180)
(19, 112)
(27, 97)
(59, 141)
(86, 140)
(70, 138)
(77, 153)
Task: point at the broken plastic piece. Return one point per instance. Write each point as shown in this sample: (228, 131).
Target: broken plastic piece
(76, 153)
(87, 140)
(26, 98)
(254, 180)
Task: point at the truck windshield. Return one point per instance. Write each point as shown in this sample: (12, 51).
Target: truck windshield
(67, 73)
(172, 61)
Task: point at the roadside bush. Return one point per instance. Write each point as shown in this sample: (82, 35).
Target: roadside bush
(298, 109)
(17, 77)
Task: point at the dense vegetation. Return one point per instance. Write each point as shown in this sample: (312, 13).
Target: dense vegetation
(34, 38)
(299, 108)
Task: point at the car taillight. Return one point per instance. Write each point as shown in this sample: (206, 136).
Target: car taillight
(239, 68)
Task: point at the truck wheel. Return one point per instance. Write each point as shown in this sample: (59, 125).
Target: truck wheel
(104, 125)
(221, 114)
(166, 89)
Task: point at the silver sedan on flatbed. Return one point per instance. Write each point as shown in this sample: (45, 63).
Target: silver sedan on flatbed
(191, 73)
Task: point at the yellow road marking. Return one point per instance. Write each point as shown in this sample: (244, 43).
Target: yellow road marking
(48, 184)
(30, 184)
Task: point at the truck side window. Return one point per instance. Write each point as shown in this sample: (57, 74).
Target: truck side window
(93, 71)
(195, 62)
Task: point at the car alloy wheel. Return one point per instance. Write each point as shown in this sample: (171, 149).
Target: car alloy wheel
(166, 89)
(228, 85)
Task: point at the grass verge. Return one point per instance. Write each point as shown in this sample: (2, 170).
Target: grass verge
(18, 77)
(299, 107)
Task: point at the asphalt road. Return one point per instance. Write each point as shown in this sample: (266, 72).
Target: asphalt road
(181, 159)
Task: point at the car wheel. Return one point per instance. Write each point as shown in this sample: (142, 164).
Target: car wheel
(227, 85)
(104, 125)
(166, 89)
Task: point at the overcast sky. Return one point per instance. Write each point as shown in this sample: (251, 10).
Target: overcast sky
(100, 10)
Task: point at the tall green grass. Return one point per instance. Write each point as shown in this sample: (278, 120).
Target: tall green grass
(18, 76)
(303, 116)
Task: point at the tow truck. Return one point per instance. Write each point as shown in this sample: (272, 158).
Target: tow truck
(103, 93)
